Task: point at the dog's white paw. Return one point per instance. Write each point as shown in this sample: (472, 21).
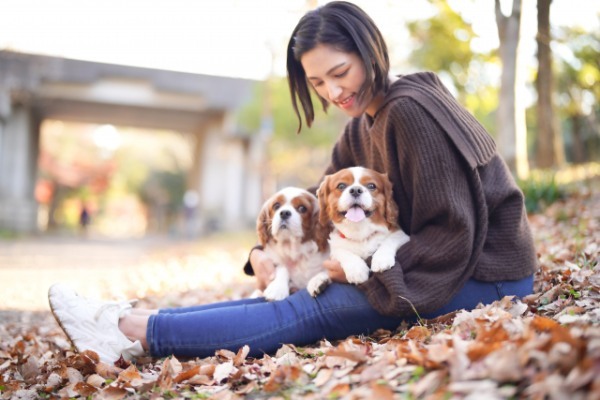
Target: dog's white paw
(356, 272)
(318, 283)
(382, 261)
(276, 291)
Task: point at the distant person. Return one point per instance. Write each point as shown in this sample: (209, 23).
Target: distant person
(470, 241)
(84, 219)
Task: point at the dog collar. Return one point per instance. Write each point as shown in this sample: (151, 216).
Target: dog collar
(340, 234)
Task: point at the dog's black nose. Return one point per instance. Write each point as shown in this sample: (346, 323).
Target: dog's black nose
(356, 191)
(285, 214)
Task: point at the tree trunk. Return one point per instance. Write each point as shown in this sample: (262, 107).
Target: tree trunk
(578, 147)
(512, 130)
(549, 149)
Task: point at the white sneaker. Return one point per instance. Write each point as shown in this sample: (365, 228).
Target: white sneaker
(93, 325)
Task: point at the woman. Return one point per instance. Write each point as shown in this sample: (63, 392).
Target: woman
(470, 241)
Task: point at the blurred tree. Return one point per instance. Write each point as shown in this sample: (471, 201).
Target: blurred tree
(70, 166)
(579, 91)
(512, 129)
(442, 44)
(289, 152)
(549, 149)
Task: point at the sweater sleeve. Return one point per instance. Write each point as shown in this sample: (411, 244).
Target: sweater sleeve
(437, 211)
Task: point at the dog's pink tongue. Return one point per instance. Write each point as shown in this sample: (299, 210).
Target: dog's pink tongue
(355, 214)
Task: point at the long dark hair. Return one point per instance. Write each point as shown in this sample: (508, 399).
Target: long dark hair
(345, 27)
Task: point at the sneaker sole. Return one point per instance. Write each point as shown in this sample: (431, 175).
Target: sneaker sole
(58, 320)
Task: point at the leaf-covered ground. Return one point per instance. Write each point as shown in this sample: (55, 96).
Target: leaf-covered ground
(544, 347)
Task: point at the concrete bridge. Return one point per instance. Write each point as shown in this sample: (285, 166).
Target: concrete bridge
(226, 167)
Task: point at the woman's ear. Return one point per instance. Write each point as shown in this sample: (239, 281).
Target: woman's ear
(263, 225)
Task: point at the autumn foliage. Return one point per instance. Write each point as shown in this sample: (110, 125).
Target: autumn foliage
(545, 346)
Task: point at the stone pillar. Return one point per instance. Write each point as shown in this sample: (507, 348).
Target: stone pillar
(19, 147)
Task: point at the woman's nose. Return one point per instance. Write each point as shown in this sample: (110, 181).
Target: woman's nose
(333, 91)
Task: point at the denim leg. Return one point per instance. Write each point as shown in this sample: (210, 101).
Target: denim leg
(475, 292)
(340, 311)
(210, 306)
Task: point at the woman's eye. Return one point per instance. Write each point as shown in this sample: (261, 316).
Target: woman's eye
(301, 209)
(371, 186)
(342, 186)
(341, 74)
(276, 206)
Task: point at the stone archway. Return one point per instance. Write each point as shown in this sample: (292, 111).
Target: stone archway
(34, 88)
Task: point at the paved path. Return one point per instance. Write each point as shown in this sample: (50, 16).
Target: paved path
(110, 268)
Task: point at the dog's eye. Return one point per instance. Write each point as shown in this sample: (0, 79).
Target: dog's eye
(301, 209)
(371, 186)
(342, 186)
(276, 206)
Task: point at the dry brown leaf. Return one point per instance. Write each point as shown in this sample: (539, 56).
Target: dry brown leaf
(73, 375)
(107, 371)
(30, 369)
(281, 377)
(323, 376)
(354, 355)
(241, 355)
(428, 384)
(339, 390)
(112, 393)
(381, 391)
(165, 379)
(85, 389)
(418, 332)
(226, 354)
(223, 371)
(95, 380)
(187, 374)
(129, 374)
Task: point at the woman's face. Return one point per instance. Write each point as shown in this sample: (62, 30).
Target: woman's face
(337, 77)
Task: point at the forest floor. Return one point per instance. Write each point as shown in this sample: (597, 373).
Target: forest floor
(546, 346)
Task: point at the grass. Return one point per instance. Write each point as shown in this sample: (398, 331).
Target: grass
(544, 187)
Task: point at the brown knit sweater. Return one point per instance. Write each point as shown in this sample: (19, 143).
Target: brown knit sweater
(458, 201)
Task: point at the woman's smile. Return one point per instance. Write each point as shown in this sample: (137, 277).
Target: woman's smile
(338, 77)
(346, 103)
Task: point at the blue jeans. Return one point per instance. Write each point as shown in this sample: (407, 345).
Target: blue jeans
(340, 311)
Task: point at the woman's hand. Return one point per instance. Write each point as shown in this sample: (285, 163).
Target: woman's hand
(263, 268)
(335, 271)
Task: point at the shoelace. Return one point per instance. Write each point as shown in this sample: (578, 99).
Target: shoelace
(121, 305)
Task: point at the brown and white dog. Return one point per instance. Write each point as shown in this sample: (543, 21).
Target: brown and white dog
(287, 230)
(361, 217)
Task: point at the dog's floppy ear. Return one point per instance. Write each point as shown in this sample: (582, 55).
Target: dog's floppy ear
(322, 194)
(316, 232)
(263, 225)
(391, 208)
(324, 226)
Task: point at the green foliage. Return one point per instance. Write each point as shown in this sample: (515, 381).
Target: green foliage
(272, 101)
(165, 188)
(290, 152)
(541, 190)
(442, 44)
(578, 74)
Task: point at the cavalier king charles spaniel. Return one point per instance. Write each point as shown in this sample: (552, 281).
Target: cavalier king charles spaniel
(287, 231)
(360, 216)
